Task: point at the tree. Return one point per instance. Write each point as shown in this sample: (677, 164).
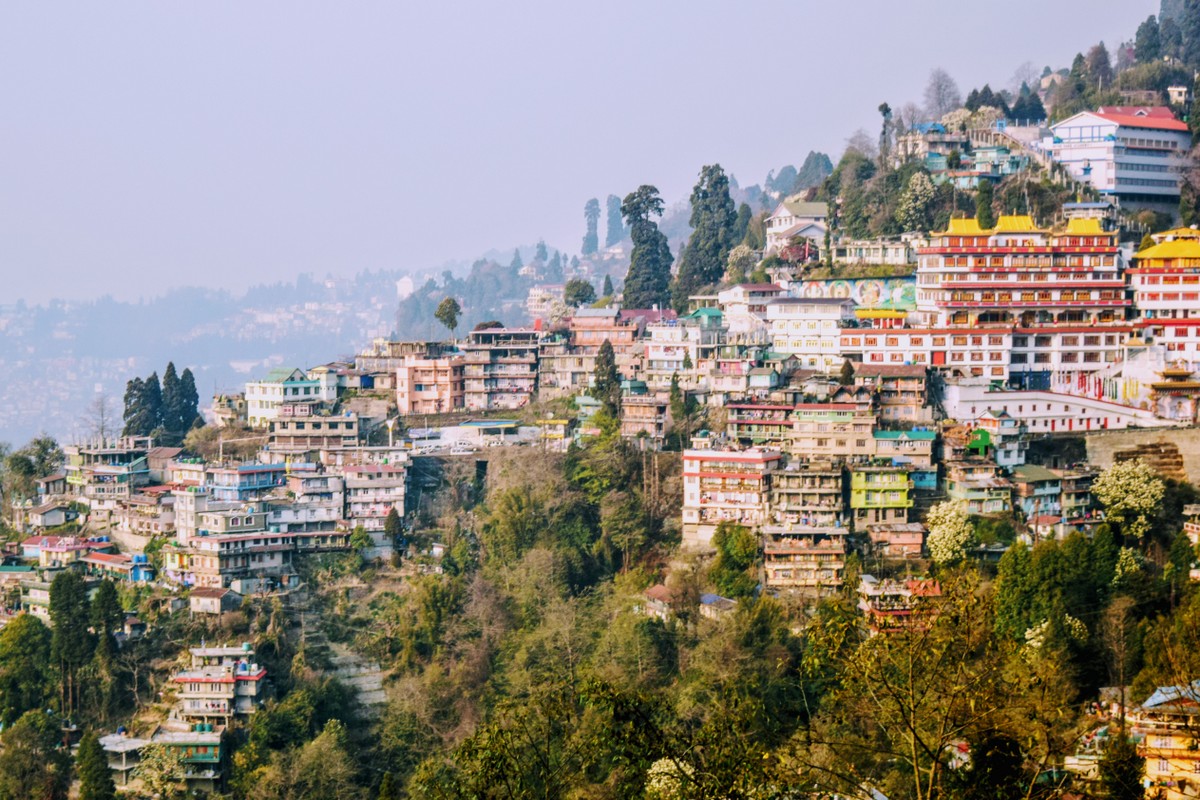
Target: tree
(26, 682)
(713, 218)
(648, 280)
(885, 135)
(846, 376)
(554, 270)
(813, 172)
(387, 789)
(540, 253)
(1099, 67)
(941, 94)
(171, 407)
(44, 454)
(71, 642)
(392, 527)
(606, 385)
(615, 229)
(189, 402)
(447, 313)
(1130, 492)
(578, 292)
(32, 765)
(95, 778)
(915, 211)
(160, 770)
(950, 531)
(1121, 769)
(106, 613)
(1146, 44)
(141, 418)
(983, 205)
(591, 214)
(99, 417)
(607, 291)
(516, 263)
(737, 551)
(742, 223)
(741, 262)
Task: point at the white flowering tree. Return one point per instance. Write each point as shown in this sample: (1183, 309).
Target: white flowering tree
(950, 531)
(1130, 492)
(916, 202)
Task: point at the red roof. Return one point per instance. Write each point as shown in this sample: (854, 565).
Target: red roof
(117, 559)
(1156, 117)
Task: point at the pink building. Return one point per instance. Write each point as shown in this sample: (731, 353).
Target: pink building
(429, 385)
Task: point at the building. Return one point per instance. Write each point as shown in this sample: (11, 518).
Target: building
(808, 494)
(840, 432)
(810, 328)
(545, 301)
(500, 368)
(103, 473)
(430, 385)
(979, 485)
(1165, 280)
(804, 558)
(897, 539)
(644, 419)
(891, 606)
(371, 492)
(1165, 724)
(305, 435)
(744, 307)
(794, 218)
(135, 568)
(762, 424)
(264, 397)
(892, 252)
(1037, 491)
(1134, 153)
(1017, 299)
(879, 495)
(1006, 436)
(913, 449)
(244, 482)
(725, 485)
(213, 601)
(221, 683)
(901, 391)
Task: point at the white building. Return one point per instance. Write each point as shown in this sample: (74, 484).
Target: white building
(1133, 152)
(744, 306)
(793, 218)
(264, 398)
(810, 328)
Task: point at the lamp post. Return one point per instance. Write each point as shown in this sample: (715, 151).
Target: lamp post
(391, 426)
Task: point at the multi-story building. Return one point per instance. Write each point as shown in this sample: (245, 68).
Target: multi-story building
(879, 495)
(1076, 499)
(1165, 280)
(803, 558)
(1037, 491)
(810, 328)
(891, 606)
(221, 683)
(979, 485)
(385, 356)
(721, 485)
(683, 348)
(1165, 725)
(265, 397)
(644, 419)
(794, 218)
(105, 473)
(430, 385)
(1006, 434)
(244, 481)
(371, 492)
(500, 368)
(545, 301)
(913, 449)
(897, 539)
(1135, 153)
(1058, 294)
(763, 424)
(808, 494)
(304, 435)
(832, 432)
(901, 391)
(146, 514)
(744, 307)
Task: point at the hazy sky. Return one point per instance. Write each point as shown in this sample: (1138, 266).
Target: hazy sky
(147, 145)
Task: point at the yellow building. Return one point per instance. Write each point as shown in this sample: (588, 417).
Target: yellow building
(1165, 727)
(879, 495)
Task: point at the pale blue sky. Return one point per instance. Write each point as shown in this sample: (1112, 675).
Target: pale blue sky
(146, 145)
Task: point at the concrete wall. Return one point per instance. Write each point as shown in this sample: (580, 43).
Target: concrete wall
(1176, 453)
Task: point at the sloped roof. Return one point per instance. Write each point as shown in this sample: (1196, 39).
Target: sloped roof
(964, 226)
(1089, 226)
(1176, 248)
(1034, 472)
(1155, 117)
(802, 209)
(1015, 223)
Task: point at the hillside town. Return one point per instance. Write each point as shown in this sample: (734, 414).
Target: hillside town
(825, 473)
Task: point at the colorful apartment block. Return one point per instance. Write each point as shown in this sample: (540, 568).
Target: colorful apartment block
(721, 485)
(879, 495)
(805, 558)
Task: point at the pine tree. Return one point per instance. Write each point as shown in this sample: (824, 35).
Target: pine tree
(152, 397)
(172, 401)
(615, 228)
(591, 214)
(846, 377)
(608, 287)
(71, 642)
(540, 253)
(95, 778)
(648, 280)
(983, 205)
(138, 419)
(516, 262)
(1146, 46)
(707, 251)
(742, 223)
(607, 385)
(189, 402)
